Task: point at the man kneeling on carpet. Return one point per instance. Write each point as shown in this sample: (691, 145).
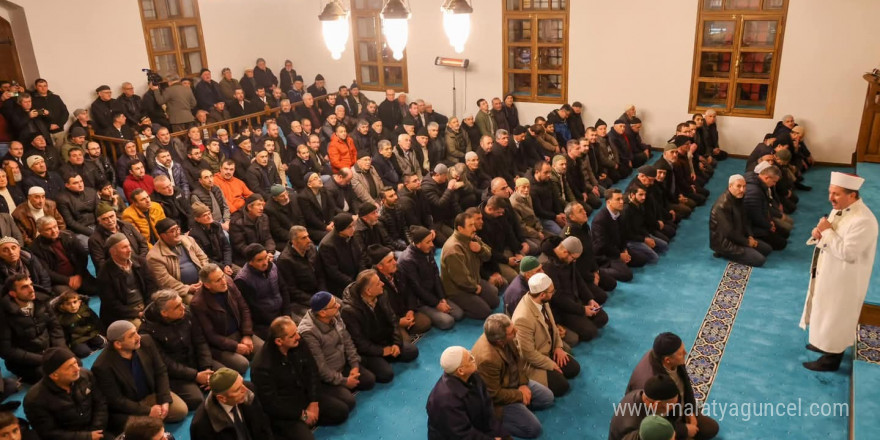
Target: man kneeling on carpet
(503, 368)
(730, 230)
(667, 358)
(459, 406)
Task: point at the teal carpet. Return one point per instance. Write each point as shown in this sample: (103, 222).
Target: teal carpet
(761, 362)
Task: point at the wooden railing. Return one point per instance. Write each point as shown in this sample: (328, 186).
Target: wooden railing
(112, 147)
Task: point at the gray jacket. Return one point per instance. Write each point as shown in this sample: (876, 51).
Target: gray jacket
(331, 346)
(179, 102)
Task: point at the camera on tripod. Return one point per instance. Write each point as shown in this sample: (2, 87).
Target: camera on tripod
(152, 77)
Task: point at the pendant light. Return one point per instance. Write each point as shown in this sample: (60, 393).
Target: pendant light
(335, 27)
(457, 22)
(395, 25)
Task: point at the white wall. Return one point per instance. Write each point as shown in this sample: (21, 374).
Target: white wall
(79, 46)
(237, 32)
(637, 52)
(641, 52)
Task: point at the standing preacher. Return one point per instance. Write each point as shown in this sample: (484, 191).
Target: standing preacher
(846, 242)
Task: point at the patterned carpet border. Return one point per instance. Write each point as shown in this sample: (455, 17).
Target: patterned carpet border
(708, 348)
(868, 344)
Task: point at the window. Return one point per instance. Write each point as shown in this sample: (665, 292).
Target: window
(736, 57)
(535, 38)
(376, 69)
(173, 33)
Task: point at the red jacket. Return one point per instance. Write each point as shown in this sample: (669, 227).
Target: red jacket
(343, 154)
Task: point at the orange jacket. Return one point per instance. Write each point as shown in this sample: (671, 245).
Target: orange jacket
(343, 154)
(234, 190)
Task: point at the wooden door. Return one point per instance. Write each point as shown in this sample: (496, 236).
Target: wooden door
(10, 67)
(868, 146)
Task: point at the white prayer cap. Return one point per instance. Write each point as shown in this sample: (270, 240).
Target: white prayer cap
(734, 178)
(849, 181)
(452, 358)
(539, 283)
(36, 190)
(762, 166)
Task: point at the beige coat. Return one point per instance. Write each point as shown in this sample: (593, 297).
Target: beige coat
(494, 364)
(361, 185)
(164, 264)
(535, 338)
(525, 213)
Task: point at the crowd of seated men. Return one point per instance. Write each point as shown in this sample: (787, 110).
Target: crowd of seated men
(303, 248)
(752, 218)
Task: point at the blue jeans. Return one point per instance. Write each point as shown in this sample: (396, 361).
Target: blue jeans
(519, 420)
(640, 250)
(551, 226)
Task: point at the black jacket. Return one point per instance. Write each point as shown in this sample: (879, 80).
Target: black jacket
(58, 113)
(634, 223)
(213, 242)
(586, 263)
(101, 112)
(371, 329)
(416, 207)
(281, 218)
(78, 209)
(207, 93)
(113, 375)
(260, 179)
(100, 254)
(343, 195)
(394, 221)
(56, 414)
(38, 273)
(297, 170)
(400, 296)
(366, 235)
(443, 201)
(729, 227)
(301, 275)
(340, 261)
(131, 107)
(181, 344)
(757, 204)
(17, 196)
(458, 410)
(23, 339)
(212, 422)
(177, 207)
(114, 291)
(572, 292)
(544, 201)
(389, 113)
(285, 385)
(607, 240)
(76, 253)
(420, 272)
(317, 216)
(501, 233)
(243, 231)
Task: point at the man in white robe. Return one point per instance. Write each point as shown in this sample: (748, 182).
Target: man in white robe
(846, 242)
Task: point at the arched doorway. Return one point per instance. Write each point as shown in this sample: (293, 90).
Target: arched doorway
(10, 65)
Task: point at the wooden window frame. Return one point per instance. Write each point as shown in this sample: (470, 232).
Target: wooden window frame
(361, 60)
(174, 24)
(740, 17)
(534, 15)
